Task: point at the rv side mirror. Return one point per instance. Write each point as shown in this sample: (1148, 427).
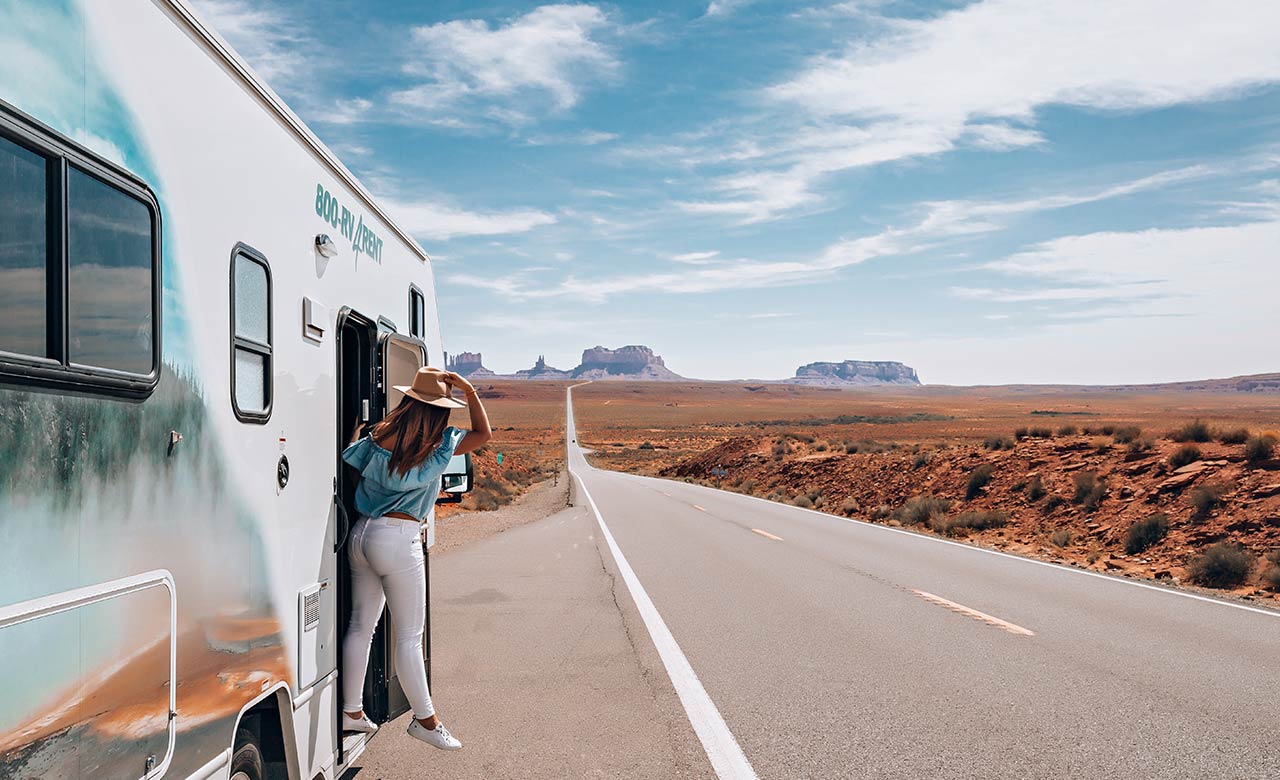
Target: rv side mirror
(456, 480)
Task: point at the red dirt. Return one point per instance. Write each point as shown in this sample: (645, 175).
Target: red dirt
(930, 441)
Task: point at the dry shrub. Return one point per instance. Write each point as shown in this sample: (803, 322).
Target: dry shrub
(978, 479)
(1035, 489)
(1222, 565)
(1068, 430)
(1184, 455)
(1193, 431)
(1146, 532)
(968, 521)
(1234, 436)
(919, 509)
(1259, 448)
(1142, 444)
(1060, 537)
(1126, 434)
(1204, 499)
(1090, 490)
(998, 443)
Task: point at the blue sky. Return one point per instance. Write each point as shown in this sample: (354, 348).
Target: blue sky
(996, 191)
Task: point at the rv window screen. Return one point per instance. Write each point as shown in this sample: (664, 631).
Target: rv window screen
(24, 250)
(108, 277)
(417, 313)
(79, 267)
(251, 335)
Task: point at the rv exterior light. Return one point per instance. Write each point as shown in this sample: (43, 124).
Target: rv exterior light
(325, 246)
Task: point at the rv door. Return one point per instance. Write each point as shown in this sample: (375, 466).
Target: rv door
(399, 358)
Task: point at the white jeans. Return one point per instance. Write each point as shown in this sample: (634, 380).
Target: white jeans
(387, 565)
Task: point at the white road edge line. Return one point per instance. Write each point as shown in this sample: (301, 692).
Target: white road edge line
(766, 534)
(974, 548)
(727, 758)
(1005, 625)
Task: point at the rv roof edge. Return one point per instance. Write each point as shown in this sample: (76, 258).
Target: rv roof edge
(183, 12)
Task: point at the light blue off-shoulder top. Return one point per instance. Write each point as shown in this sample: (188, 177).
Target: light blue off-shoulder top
(382, 491)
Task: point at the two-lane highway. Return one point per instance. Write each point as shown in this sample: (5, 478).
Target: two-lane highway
(806, 645)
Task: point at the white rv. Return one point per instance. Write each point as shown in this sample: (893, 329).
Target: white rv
(197, 304)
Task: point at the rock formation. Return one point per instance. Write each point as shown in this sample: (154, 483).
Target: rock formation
(630, 362)
(856, 372)
(468, 364)
(541, 370)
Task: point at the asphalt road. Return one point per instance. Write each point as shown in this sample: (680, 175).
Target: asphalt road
(807, 645)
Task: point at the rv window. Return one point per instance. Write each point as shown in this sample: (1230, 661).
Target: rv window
(80, 266)
(417, 312)
(251, 335)
(108, 276)
(24, 250)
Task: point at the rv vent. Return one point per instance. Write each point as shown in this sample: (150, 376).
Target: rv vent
(310, 609)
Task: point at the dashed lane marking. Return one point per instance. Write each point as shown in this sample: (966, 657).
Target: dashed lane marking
(766, 534)
(1003, 625)
(699, 508)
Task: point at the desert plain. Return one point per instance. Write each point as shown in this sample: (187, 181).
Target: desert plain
(1178, 484)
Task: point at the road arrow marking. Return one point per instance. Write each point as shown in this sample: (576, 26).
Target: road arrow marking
(1003, 625)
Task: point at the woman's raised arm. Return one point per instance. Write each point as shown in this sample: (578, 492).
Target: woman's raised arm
(480, 431)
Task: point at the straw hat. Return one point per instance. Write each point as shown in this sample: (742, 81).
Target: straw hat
(429, 387)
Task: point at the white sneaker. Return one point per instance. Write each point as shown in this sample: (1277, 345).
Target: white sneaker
(361, 724)
(438, 737)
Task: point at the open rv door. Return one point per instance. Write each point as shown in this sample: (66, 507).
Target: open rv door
(399, 358)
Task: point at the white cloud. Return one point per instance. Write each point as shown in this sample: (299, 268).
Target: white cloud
(999, 136)
(536, 63)
(1213, 275)
(1140, 306)
(431, 221)
(696, 258)
(725, 7)
(976, 77)
(794, 163)
(583, 138)
(265, 36)
(1005, 58)
(937, 224)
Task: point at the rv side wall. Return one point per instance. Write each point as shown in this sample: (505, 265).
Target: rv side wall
(95, 489)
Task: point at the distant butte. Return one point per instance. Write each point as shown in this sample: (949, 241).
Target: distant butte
(855, 373)
(634, 362)
(631, 362)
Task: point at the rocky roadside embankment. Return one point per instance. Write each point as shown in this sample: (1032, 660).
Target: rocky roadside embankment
(1184, 512)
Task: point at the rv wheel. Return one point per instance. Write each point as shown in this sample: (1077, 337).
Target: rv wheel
(246, 763)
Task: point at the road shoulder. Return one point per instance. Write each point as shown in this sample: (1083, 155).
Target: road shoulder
(537, 670)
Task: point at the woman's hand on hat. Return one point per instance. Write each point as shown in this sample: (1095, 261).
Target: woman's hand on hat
(457, 380)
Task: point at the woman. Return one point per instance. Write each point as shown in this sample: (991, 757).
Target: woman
(400, 464)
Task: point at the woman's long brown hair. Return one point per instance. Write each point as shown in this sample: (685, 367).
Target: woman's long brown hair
(417, 430)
